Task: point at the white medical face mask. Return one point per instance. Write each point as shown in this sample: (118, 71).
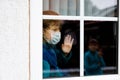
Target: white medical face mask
(55, 38)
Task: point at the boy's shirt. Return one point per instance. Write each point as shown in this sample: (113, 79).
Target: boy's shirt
(93, 63)
(53, 57)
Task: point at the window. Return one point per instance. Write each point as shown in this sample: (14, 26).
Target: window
(63, 7)
(106, 8)
(84, 21)
(56, 61)
(106, 32)
(92, 28)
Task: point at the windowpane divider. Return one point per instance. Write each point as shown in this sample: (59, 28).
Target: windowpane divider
(101, 18)
(81, 18)
(62, 17)
(82, 38)
(82, 47)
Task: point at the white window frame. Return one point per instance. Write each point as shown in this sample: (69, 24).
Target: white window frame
(36, 17)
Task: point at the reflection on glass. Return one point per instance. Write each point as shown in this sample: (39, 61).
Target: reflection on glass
(60, 48)
(101, 8)
(101, 47)
(63, 7)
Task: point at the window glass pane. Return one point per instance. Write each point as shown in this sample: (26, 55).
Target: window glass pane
(63, 7)
(101, 47)
(105, 8)
(61, 48)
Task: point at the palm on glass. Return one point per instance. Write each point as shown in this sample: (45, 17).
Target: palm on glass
(67, 45)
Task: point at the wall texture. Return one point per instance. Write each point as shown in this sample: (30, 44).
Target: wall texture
(14, 40)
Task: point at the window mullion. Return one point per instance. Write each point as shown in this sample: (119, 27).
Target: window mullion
(82, 47)
(82, 38)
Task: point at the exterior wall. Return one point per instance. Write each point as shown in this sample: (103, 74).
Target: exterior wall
(14, 40)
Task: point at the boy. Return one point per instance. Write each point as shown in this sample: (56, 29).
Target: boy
(93, 62)
(52, 57)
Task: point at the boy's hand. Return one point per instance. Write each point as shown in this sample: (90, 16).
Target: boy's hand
(67, 45)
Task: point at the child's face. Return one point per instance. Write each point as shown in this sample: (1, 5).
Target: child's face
(52, 33)
(93, 47)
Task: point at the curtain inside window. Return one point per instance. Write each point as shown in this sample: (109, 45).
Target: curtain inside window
(63, 7)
